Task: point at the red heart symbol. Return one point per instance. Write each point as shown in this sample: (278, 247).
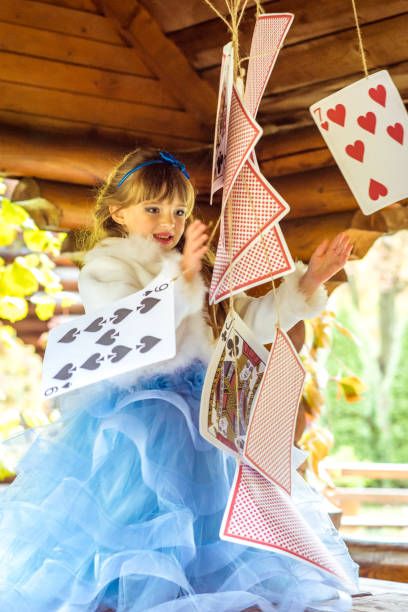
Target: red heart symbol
(356, 151)
(396, 132)
(367, 122)
(337, 115)
(378, 94)
(325, 125)
(376, 190)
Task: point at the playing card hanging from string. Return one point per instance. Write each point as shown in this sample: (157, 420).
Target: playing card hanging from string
(259, 513)
(222, 121)
(267, 256)
(253, 205)
(243, 134)
(269, 439)
(128, 334)
(238, 362)
(269, 33)
(365, 126)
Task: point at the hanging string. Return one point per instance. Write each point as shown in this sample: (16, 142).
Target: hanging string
(217, 12)
(234, 347)
(360, 39)
(268, 52)
(242, 12)
(259, 8)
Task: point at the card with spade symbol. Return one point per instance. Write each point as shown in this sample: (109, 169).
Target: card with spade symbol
(132, 332)
(229, 392)
(365, 126)
(223, 113)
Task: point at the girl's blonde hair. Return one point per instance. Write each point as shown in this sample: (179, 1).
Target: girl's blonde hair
(154, 182)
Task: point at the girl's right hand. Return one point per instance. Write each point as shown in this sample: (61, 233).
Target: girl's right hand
(194, 250)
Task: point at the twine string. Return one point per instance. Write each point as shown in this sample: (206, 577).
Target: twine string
(259, 55)
(259, 8)
(217, 12)
(360, 39)
(231, 313)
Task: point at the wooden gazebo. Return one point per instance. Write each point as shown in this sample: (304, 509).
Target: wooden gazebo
(84, 81)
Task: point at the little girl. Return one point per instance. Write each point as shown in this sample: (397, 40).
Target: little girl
(118, 506)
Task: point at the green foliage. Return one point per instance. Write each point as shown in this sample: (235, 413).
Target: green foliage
(398, 451)
(354, 424)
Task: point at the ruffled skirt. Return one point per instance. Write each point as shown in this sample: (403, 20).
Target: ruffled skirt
(119, 505)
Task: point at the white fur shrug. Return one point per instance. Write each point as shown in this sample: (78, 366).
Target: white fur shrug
(118, 267)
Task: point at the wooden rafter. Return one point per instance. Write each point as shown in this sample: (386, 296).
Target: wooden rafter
(163, 58)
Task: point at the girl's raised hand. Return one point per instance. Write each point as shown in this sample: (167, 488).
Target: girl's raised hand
(194, 249)
(325, 262)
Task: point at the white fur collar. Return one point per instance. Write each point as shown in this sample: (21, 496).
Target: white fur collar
(134, 249)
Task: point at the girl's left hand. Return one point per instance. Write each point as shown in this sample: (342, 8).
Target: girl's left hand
(325, 262)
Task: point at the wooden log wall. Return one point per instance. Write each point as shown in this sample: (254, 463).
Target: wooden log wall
(84, 81)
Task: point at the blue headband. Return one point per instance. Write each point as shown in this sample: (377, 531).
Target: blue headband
(166, 157)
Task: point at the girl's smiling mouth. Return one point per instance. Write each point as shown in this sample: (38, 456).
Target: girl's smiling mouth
(163, 238)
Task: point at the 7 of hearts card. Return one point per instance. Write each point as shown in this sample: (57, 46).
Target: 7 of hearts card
(130, 333)
(224, 417)
(365, 126)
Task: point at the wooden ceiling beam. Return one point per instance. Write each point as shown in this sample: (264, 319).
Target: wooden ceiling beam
(40, 155)
(163, 58)
(49, 74)
(71, 49)
(71, 21)
(313, 22)
(117, 114)
(127, 138)
(333, 56)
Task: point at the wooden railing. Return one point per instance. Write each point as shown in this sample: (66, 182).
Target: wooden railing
(377, 557)
(350, 498)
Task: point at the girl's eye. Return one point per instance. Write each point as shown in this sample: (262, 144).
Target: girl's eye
(153, 210)
(181, 212)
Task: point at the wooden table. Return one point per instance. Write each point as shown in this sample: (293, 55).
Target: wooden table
(386, 596)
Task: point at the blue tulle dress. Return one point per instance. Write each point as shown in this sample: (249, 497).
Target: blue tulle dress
(118, 506)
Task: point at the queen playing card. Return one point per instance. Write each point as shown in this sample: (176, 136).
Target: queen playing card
(224, 414)
(365, 126)
(132, 332)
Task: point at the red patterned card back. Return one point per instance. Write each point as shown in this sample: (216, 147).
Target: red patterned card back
(254, 204)
(243, 134)
(269, 34)
(269, 439)
(261, 514)
(254, 266)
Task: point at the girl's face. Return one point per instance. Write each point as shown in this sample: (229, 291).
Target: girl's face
(164, 220)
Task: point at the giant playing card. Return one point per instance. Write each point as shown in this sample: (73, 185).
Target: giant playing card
(267, 256)
(259, 513)
(269, 34)
(243, 134)
(222, 122)
(224, 414)
(132, 332)
(253, 205)
(365, 126)
(269, 440)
